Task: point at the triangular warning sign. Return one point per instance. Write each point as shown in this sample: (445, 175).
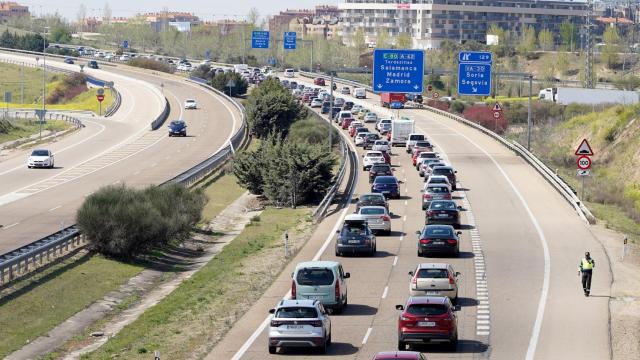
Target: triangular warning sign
(584, 148)
(497, 107)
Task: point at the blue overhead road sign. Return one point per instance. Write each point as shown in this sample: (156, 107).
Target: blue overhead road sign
(260, 39)
(474, 73)
(475, 56)
(398, 71)
(289, 40)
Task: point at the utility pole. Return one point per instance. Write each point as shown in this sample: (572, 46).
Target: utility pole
(331, 112)
(44, 78)
(529, 114)
(589, 46)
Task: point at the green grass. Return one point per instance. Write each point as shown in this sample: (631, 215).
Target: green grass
(615, 218)
(222, 192)
(39, 307)
(180, 324)
(26, 128)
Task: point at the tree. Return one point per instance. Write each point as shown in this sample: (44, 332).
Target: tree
(106, 14)
(545, 39)
(627, 82)
(81, 17)
(223, 81)
(359, 41)
(60, 34)
(527, 42)
(253, 16)
(611, 47)
(549, 71)
(504, 40)
(382, 40)
(568, 35)
(404, 41)
(562, 62)
(272, 108)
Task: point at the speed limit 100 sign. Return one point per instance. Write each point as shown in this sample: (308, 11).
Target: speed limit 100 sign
(583, 162)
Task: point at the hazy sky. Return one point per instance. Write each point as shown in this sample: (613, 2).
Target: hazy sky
(205, 9)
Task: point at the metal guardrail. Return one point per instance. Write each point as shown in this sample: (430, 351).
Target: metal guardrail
(553, 179)
(51, 115)
(117, 101)
(39, 253)
(155, 124)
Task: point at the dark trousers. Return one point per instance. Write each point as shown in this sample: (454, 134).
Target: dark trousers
(586, 281)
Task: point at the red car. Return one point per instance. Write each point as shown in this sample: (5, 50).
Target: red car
(427, 319)
(346, 122)
(305, 97)
(402, 355)
(386, 156)
(319, 82)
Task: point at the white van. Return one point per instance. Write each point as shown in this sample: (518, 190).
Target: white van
(359, 93)
(288, 73)
(239, 68)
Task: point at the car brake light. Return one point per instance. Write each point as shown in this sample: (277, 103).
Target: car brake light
(414, 279)
(386, 218)
(293, 289)
(447, 197)
(425, 241)
(430, 213)
(451, 279)
(427, 196)
(452, 241)
(337, 290)
(275, 323)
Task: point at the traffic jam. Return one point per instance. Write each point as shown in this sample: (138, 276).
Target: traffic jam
(319, 289)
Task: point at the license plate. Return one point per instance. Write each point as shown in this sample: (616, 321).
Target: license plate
(354, 241)
(386, 191)
(432, 292)
(316, 297)
(294, 327)
(426, 323)
(443, 215)
(438, 242)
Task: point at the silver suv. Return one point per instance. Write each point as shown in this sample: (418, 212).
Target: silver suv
(299, 323)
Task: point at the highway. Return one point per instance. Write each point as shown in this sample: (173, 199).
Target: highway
(118, 149)
(521, 245)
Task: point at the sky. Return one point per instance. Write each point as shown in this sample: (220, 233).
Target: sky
(205, 9)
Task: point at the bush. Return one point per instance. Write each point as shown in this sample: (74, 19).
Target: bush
(71, 86)
(272, 108)
(312, 132)
(457, 106)
(124, 222)
(221, 82)
(440, 105)
(483, 115)
(151, 65)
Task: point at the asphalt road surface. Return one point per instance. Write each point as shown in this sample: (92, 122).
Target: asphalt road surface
(118, 149)
(521, 245)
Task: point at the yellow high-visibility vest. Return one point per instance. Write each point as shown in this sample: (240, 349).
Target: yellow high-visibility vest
(587, 264)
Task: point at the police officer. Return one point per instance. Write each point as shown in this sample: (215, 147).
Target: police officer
(586, 268)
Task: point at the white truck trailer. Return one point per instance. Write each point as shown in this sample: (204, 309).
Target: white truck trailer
(400, 130)
(566, 96)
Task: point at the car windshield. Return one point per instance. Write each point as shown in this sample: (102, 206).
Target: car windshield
(40, 153)
(433, 274)
(345, 115)
(372, 198)
(443, 171)
(176, 123)
(442, 205)
(438, 189)
(437, 231)
(372, 211)
(297, 313)
(371, 136)
(416, 137)
(423, 144)
(314, 277)
(191, 101)
(385, 180)
(427, 309)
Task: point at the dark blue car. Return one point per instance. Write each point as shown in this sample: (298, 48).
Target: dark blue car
(325, 107)
(389, 186)
(177, 128)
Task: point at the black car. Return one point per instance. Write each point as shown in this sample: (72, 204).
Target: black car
(447, 171)
(68, 60)
(389, 186)
(334, 113)
(441, 239)
(416, 98)
(92, 64)
(443, 212)
(355, 237)
(177, 128)
(369, 140)
(348, 105)
(371, 199)
(378, 170)
(293, 85)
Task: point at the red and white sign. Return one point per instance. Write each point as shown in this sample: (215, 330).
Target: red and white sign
(100, 97)
(497, 114)
(429, 88)
(403, 6)
(584, 148)
(436, 95)
(583, 162)
(497, 107)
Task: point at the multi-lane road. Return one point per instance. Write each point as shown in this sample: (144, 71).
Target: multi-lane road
(118, 149)
(521, 245)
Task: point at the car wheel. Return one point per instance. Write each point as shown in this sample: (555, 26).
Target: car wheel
(338, 310)
(338, 253)
(453, 344)
(272, 349)
(402, 345)
(29, 167)
(323, 349)
(329, 339)
(420, 253)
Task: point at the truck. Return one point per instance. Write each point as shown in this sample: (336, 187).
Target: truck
(566, 96)
(239, 68)
(387, 98)
(400, 130)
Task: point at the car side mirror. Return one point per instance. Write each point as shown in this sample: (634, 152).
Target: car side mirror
(347, 275)
(457, 308)
(337, 231)
(411, 273)
(417, 232)
(399, 307)
(458, 232)
(459, 207)
(292, 275)
(421, 190)
(455, 172)
(272, 311)
(457, 273)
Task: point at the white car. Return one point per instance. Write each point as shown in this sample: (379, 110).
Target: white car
(382, 121)
(438, 179)
(381, 145)
(296, 323)
(370, 158)
(434, 279)
(356, 109)
(377, 218)
(370, 117)
(359, 93)
(41, 158)
(316, 103)
(360, 138)
(190, 104)
(124, 57)
(413, 139)
(289, 73)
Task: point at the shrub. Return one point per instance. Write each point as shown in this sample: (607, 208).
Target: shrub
(124, 222)
(272, 108)
(457, 106)
(221, 82)
(441, 105)
(483, 115)
(151, 65)
(313, 132)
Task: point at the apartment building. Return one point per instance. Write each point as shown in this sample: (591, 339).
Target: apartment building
(10, 10)
(429, 22)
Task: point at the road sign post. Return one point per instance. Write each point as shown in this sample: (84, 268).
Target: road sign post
(474, 73)
(260, 39)
(289, 40)
(583, 162)
(398, 71)
(100, 98)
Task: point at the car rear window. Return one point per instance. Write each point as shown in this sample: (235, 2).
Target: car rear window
(443, 171)
(297, 313)
(427, 309)
(385, 180)
(380, 167)
(437, 181)
(372, 211)
(416, 137)
(314, 277)
(371, 197)
(437, 231)
(374, 154)
(345, 115)
(433, 274)
(438, 189)
(442, 205)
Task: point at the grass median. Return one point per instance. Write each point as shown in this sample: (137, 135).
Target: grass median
(20, 129)
(193, 318)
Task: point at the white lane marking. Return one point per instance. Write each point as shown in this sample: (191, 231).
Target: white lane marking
(178, 101)
(55, 208)
(542, 302)
(405, 203)
(401, 237)
(404, 218)
(395, 261)
(366, 336)
(10, 226)
(384, 293)
(324, 246)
